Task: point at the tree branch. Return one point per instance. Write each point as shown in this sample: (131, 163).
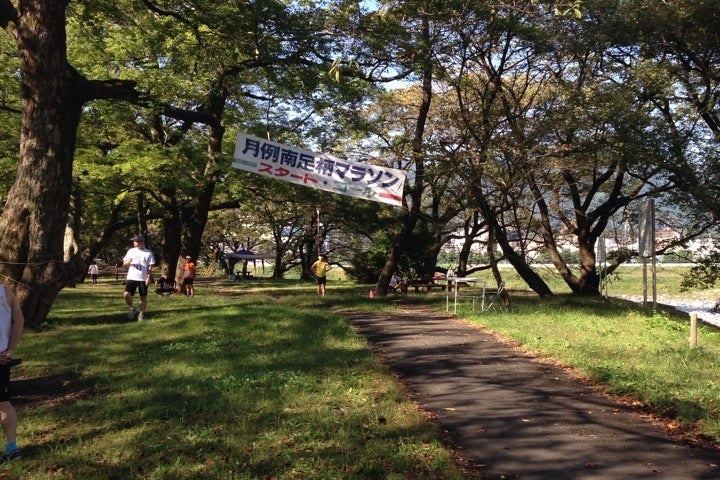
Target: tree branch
(9, 18)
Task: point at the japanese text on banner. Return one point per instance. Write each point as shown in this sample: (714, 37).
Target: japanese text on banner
(317, 170)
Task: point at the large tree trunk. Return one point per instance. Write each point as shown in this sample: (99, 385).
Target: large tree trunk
(589, 280)
(171, 256)
(194, 223)
(32, 226)
(530, 276)
(401, 245)
(410, 220)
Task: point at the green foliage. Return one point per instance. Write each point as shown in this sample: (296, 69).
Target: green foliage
(273, 68)
(448, 258)
(570, 256)
(422, 251)
(191, 58)
(569, 9)
(705, 273)
(680, 256)
(419, 259)
(367, 265)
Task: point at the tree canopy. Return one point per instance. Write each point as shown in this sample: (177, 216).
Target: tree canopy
(523, 126)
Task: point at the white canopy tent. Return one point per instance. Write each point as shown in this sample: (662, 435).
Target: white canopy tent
(245, 256)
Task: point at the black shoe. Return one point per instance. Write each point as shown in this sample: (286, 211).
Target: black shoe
(14, 455)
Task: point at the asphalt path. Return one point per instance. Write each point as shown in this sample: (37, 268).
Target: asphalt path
(514, 417)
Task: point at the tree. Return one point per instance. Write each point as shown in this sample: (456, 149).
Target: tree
(406, 36)
(157, 46)
(555, 142)
(490, 69)
(33, 222)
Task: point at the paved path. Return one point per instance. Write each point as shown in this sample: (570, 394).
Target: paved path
(517, 418)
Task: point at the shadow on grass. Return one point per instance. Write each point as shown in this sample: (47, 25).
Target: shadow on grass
(216, 388)
(49, 389)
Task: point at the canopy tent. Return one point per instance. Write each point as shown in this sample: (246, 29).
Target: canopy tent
(243, 254)
(230, 259)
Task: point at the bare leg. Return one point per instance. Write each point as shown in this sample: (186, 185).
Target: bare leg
(8, 416)
(143, 304)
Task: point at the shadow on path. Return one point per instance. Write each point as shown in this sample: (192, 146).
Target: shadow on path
(516, 418)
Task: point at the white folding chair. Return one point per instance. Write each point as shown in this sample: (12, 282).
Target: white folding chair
(495, 297)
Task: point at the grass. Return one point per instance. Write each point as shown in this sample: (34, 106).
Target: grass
(627, 279)
(634, 352)
(643, 355)
(237, 382)
(261, 379)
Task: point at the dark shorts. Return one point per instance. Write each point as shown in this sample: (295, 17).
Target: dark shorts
(4, 383)
(132, 285)
(321, 280)
(188, 281)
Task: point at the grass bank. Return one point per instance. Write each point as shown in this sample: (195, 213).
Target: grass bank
(635, 352)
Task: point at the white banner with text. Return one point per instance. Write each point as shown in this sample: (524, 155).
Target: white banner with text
(318, 170)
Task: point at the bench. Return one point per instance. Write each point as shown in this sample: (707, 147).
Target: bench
(425, 286)
(239, 277)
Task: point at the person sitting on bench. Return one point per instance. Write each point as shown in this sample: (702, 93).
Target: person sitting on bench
(165, 285)
(397, 283)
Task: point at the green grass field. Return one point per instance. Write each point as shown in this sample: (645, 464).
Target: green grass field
(261, 379)
(241, 381)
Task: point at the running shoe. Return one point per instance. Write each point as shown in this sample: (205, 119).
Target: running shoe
(14, 455)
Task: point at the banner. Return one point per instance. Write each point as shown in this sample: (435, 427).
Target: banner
(318, 170)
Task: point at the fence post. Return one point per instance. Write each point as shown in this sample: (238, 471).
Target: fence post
(693, 329)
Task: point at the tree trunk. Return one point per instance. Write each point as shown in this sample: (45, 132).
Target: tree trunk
(471, 228)
(531, 278)
(589, 280)
(194, 224)
(32, 226)
(504, 296)
(411, 219)
(169, 257)
(398, 250)
(497, 232)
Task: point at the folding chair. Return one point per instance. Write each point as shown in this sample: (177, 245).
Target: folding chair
(494, 297)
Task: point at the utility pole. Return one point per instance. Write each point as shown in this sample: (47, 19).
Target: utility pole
(318, 236)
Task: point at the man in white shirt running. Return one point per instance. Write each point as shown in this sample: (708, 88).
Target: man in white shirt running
(139, 261)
